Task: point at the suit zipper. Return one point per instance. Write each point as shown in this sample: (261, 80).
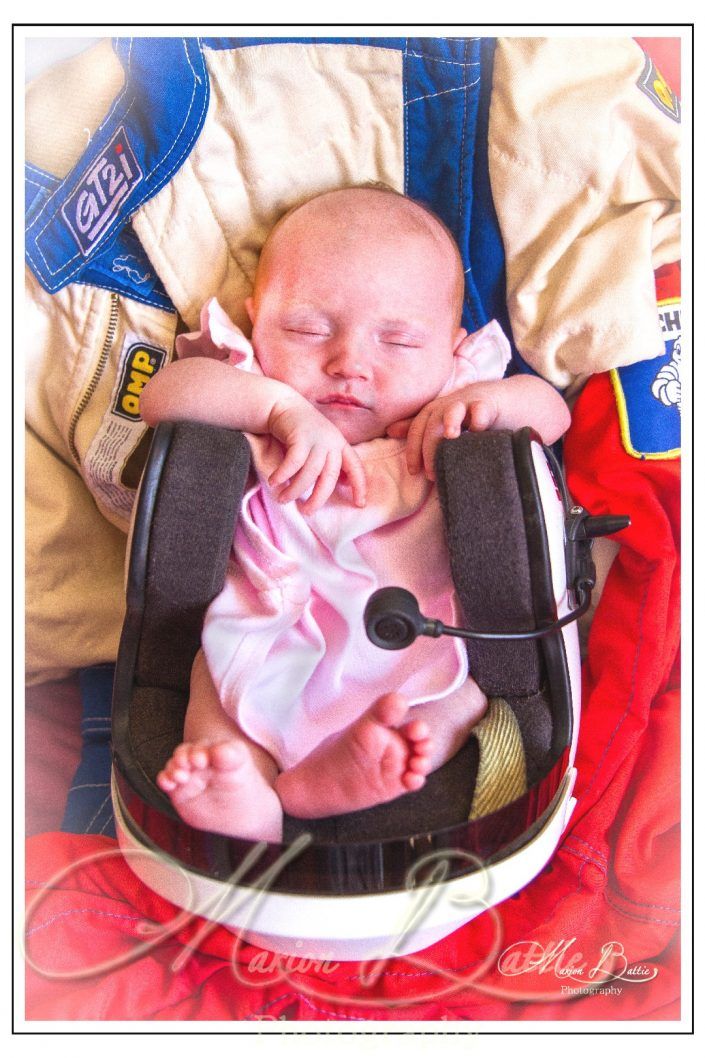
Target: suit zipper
(100, 367)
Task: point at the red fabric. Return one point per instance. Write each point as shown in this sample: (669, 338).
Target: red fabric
(614, 878)
(666, 53)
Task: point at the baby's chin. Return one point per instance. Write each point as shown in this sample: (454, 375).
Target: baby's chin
(356, 424)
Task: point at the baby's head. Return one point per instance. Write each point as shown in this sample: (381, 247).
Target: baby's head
(357, 305)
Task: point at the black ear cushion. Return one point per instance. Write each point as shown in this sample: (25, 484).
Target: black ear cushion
(199, 494)
(487, 541)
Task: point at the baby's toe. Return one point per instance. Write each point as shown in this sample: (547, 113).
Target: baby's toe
(416, 730)
(411, 780)
(182, 755)
(165, 783)
(226, 755)
(198, 757)
(389, 710)
(419, 763)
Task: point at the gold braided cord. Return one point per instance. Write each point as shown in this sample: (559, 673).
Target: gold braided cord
(501, 773)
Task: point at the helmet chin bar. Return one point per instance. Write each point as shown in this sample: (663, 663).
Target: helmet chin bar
(393, 619)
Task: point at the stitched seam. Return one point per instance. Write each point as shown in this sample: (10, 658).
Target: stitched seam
(445, 92)
(119, 98)
(448, 62)
(48, 224)
(643, 903)
(640, 918)
(155, 302)
(97, 813)
(106, 824)
(35, 183)
(83, 911)
(89, 786)
(64, 182)
(40, 172)
(587, 859)
(153, 191)
(574, 837)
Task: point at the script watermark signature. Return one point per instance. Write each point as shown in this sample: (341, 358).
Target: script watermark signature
(565, 960)
(307, 971)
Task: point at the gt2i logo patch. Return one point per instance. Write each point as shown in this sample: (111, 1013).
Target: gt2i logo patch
(141, 363)
(654, 86)
(90, 208)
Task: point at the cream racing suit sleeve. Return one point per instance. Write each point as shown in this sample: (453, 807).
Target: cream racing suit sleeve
(584, 167)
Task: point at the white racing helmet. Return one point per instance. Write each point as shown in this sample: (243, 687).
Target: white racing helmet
(398, 877)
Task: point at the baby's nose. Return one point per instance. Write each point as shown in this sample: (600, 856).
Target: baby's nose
(349, 360)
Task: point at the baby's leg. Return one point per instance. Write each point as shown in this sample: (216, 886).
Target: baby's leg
(389, 751)
(219, 779)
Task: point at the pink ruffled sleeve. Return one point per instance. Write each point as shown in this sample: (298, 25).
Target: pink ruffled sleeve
(218, 338)
(482, 357)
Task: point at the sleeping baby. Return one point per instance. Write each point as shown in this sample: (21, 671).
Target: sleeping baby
(358, 367)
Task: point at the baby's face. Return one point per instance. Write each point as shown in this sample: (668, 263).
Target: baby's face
(360, 321)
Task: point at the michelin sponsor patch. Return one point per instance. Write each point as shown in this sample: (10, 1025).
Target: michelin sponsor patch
(109, 466)
(653, 84)
(648, 394)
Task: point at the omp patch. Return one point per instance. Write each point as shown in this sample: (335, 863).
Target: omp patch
(648, 395)
(141, 362)
(654, 86)
(110, 464)
(105, 184)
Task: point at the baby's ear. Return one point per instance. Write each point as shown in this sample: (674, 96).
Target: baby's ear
(460, 336)
(250, 308)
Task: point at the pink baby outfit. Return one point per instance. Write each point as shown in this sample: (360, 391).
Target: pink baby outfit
(285, 639)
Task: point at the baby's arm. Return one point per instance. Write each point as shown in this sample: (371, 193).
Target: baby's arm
(204, 390)
(507, 404)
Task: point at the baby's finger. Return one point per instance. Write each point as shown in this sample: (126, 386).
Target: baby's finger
(481, 415)
(414, 441)
(357, 479)
(453, 418)
(327, 480)
(305, 479)
(294, 459)
(431, 439)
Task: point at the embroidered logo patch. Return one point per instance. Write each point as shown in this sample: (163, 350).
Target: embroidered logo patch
(140, 364)
(107, 182)
(654, 86)
(648, 394)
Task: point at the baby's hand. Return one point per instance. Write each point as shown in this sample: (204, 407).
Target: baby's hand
(316, 453)
(444, 417)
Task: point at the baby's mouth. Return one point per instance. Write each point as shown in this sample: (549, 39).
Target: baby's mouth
(341, 400)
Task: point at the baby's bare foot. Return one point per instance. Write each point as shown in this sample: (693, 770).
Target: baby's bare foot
(217, 787)
(372, 761)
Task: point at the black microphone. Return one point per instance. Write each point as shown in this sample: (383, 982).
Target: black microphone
(393, 620)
